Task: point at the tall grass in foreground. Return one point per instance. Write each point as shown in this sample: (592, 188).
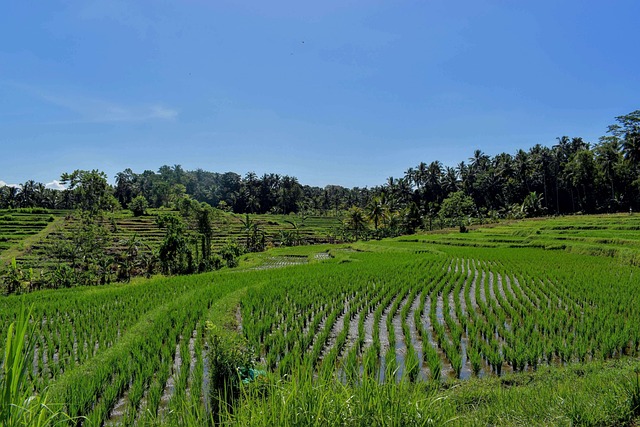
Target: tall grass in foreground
(304, 401)
(595, 394)
(18, 406)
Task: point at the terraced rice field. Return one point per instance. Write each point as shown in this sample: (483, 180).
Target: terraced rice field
(40, 229)
(17, 226)
(419, 310)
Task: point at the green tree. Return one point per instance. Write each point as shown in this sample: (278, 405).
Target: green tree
(83, 247)
(255, 238)
(126, 186)
(174, 253)
(13, 278)
(230, 253)
(90, 190)
(628, 130)
(608, 160)
(356, 222)
(532, 205)
(294, 238)
(456, 208)
(139, 205)
(376, 212)
(412, 219)
(580, 173)
(204, 221)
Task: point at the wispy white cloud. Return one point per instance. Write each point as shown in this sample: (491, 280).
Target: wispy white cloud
(94, 110)
(4, 184)
(100, 111)
(55, 185)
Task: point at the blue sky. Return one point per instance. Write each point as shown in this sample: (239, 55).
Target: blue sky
(344, 92)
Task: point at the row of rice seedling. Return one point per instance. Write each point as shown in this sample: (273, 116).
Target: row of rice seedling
(548, 310)
(67, 333)
(109, 354)
(478, 309)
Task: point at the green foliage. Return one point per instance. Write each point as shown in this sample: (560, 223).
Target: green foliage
(254, 236)
(12, 279)
(138, 205)
(412, 219)
(174, 253)
(90, 190)
(82, 247)
(631, 388)
(228, 358)
(482, 304)
(18, 405)
(230, 253)
(532, 205)
(356, 222)
(457, 208)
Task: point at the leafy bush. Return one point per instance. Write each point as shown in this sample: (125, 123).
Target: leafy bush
(230, 253)
(138, 206)
(228, 355)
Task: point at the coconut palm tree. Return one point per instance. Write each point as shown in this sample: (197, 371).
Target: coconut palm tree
(628, 130)
(450, 182)
(376, 211)
(608, 156)
(356, 221)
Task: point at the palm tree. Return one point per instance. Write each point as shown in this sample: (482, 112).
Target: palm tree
(410, 176)
(254, 235)
(607, 157)
(433, 180)
(28, 194)
(479, 161)
(465, 175)
(532, 205)
(450, 181)
(356, 221)
(631, 146)
(296, 238)
(521, 161)
(421, 174)
(376, 211)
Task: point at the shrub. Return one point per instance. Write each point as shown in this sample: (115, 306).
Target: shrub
(138, 206)
(230, 253)
(228, 358)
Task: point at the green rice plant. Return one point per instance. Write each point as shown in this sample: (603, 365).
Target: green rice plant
(302, 401)
(18, 405)
(411, 365)
(390, 365)
(631, 388)
(351, 367)
(435, 364)
(370, 363)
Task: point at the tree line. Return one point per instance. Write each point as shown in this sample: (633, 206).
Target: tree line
(568, 177)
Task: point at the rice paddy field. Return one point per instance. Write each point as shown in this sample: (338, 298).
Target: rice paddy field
(533, 322)
(28, 234)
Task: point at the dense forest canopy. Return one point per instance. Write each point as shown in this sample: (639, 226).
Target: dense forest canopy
(569, 177)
